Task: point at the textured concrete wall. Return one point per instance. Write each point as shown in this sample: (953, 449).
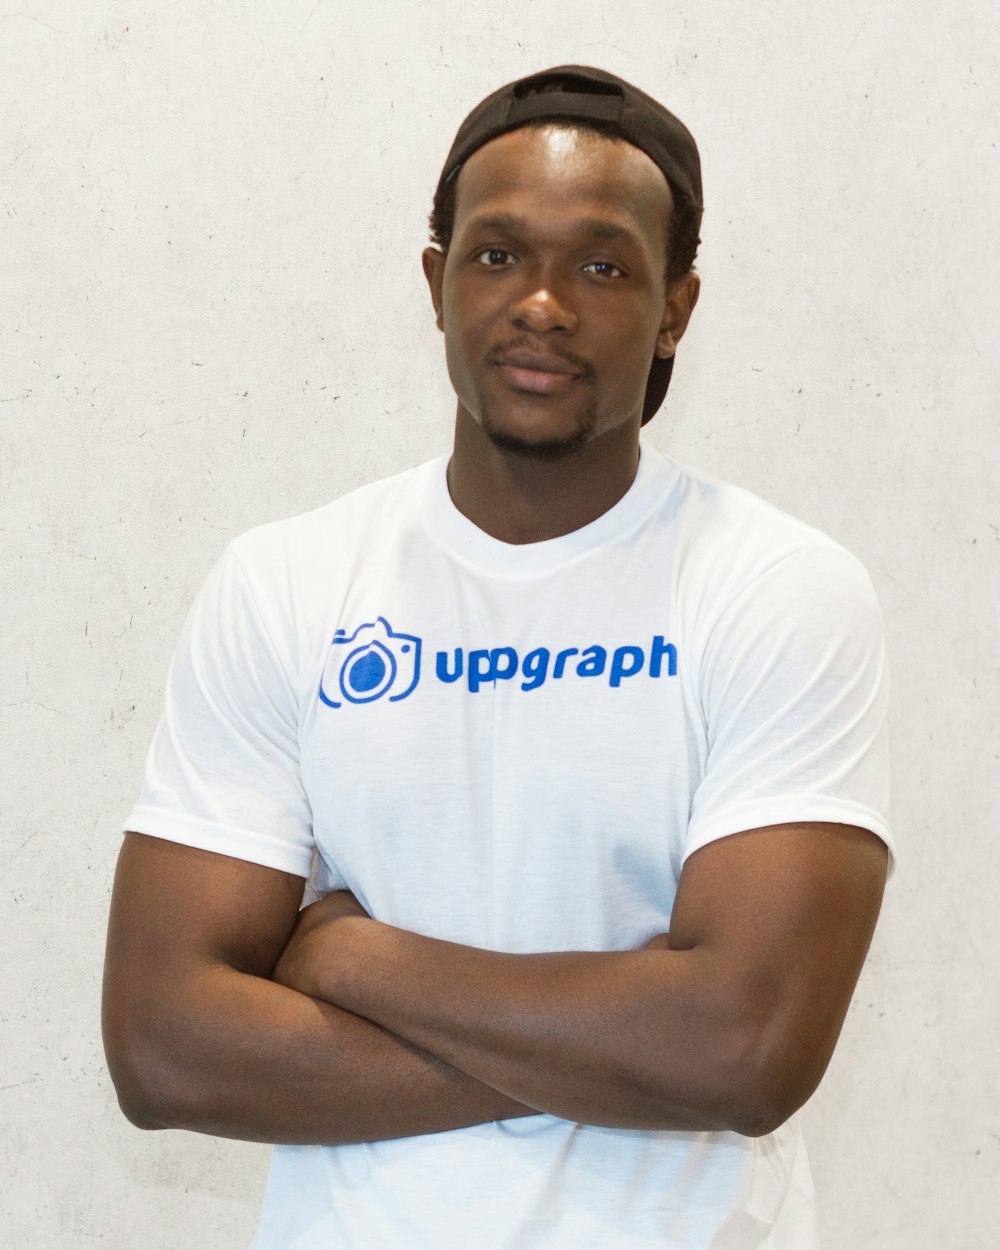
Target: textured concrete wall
(213, 315)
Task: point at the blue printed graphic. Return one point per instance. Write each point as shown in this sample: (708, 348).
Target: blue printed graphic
(375, 660)
(486, 667)
(369, 664)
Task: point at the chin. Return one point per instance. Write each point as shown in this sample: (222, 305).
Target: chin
(536, 448)
(518, 439)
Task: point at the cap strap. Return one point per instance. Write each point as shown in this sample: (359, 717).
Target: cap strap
(601, 107)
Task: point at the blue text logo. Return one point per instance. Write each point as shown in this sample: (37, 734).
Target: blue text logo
(376, 661)
(487, 667)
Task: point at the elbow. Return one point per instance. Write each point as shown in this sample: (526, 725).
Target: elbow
(139, 1109)
(758, 1118)
(138, 1098)
(747, 1107)
(750, 1102)
(744, 1109)
(750, 1080)
(140, 1080)
(771, 1083)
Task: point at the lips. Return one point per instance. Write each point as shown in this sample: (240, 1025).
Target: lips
(537, 362)
(538, 372)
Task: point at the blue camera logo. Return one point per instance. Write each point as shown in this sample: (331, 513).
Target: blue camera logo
(373, 661)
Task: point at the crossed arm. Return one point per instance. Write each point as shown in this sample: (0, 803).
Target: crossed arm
(368, 1032)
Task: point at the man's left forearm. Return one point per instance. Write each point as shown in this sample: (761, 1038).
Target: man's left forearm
(729, 1025)
(580, 1035)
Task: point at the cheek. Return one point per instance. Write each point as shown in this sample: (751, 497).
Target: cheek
(461, 360)
(627, 341)
(468, 334)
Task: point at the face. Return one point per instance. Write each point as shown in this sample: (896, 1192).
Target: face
(552, 295)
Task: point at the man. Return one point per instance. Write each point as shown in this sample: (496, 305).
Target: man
(589, 750)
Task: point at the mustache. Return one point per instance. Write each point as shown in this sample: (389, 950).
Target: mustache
(576, 363)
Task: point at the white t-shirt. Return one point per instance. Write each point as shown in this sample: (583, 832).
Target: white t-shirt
(516, 747)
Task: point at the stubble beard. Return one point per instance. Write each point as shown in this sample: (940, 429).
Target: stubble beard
(537, 448)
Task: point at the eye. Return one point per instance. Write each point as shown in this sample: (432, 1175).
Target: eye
(604, 269)
(494, 257)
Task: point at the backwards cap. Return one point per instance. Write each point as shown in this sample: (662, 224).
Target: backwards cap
(587, 94)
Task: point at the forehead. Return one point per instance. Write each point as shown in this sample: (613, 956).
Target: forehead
(552, 172)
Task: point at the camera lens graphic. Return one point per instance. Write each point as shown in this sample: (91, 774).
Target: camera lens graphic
(372, 662)
(368, 672)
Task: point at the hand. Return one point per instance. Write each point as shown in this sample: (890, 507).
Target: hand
(330, 907)
(305, 963)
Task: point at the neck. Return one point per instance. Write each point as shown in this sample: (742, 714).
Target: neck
(519, 499)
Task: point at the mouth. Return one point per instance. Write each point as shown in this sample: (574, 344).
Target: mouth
(537, 372)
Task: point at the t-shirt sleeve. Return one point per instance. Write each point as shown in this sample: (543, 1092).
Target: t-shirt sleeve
(222, 773)
(794, 691)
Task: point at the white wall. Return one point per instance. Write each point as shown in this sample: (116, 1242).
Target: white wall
(213, 315)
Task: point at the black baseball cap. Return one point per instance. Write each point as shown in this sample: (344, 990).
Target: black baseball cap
(588, 94)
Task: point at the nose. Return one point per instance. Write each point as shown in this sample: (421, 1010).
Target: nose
(542, 308)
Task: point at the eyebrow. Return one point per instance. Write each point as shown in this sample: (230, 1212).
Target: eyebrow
(595, 227)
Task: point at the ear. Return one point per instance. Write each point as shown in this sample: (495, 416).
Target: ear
(681, 299)
(433, 261)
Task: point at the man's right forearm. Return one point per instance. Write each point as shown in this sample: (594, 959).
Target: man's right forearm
(198, 1036)
(237, 1056)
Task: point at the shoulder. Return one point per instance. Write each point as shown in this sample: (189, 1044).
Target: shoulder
(733, 547)
(334, 534)
(716, 513)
